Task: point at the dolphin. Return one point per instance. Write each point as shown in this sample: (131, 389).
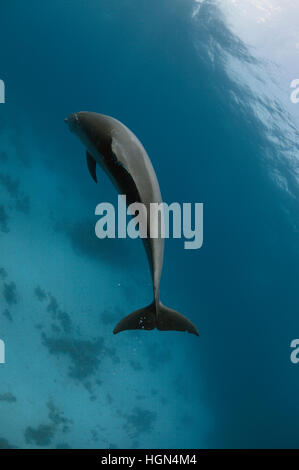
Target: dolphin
(115, 148)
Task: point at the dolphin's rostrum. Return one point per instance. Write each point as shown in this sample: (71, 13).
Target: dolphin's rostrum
(117, 150)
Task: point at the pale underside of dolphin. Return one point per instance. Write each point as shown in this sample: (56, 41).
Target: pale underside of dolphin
(112, 146)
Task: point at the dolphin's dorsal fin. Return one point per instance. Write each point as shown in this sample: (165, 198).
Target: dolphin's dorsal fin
(92, 166)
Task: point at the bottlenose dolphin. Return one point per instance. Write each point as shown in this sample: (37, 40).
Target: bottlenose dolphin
(117, 150)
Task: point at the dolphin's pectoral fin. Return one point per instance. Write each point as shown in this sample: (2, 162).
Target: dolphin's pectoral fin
(92, 166)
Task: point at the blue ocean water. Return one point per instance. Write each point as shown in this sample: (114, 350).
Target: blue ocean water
(213, 119)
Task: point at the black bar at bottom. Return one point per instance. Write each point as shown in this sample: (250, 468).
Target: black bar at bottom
(150, 457)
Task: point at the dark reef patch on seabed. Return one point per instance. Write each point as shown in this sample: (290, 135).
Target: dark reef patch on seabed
(57, 314)
(8, 397)
(57, 417)
(94, 435)
(41, 436)
(3, 273)
(4, 444)
(40, 293)
(139, 421)
(84, 355)
(4, 218)
(52, 305)
(12, 186)
(44, 434)
(6, 313)
(10, 293)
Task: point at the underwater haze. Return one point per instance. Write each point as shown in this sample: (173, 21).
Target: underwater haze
(205, 85)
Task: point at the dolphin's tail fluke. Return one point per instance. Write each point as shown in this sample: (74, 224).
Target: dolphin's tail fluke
(149, 318)
(143, 319)
(169, 319)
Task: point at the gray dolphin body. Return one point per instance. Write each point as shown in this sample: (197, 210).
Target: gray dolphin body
(111, 145)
